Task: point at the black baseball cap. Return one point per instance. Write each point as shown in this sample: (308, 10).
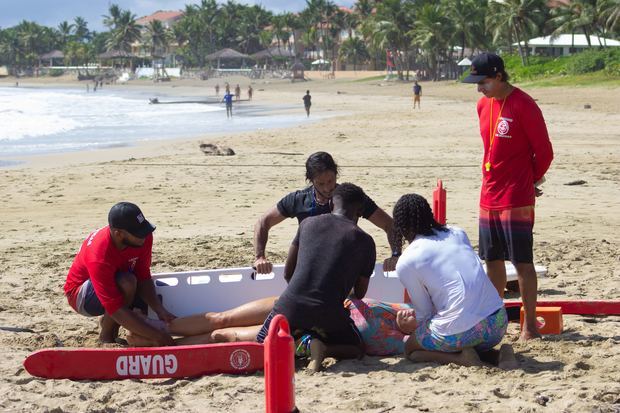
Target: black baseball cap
(128, 216)
(484, 65)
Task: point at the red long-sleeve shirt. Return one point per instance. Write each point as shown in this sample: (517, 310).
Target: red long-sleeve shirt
(99, 260)
(520, 154)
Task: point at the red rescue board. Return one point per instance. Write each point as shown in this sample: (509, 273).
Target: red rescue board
(578, 307)
(146, 362)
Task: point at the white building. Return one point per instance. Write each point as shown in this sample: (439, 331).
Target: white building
(565, 44)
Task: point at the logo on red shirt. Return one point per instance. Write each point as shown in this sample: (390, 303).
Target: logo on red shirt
(503, 127)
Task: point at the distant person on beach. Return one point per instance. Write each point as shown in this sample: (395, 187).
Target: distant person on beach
(316, 199)
(217, 89)
(111, 276)
(237, 92)
(307, 102)
(250, 92)
(228, 99)
(227, 87)
(456, 309)
(417, 92)
(329, 257)
(517, 154)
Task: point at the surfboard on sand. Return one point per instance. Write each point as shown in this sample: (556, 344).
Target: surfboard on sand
(146, 362)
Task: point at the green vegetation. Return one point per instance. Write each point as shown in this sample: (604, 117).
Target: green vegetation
(425, 35)
(586, 68)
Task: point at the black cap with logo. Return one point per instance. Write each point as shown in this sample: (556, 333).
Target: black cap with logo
(128, 216)
(484, 65)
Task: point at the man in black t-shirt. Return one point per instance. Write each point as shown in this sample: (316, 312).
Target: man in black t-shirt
(322, 173)
(329, 257)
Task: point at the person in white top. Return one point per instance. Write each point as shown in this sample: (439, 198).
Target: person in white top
(456, 309)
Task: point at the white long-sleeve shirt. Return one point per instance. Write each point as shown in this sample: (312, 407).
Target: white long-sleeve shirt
(446, 282)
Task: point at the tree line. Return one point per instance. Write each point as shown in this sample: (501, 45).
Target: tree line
(414, 33)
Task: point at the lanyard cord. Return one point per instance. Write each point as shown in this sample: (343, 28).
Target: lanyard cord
(492, 130)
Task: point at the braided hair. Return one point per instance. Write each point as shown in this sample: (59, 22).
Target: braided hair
(413, 215)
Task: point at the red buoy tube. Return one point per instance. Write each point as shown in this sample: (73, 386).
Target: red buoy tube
(279, 367)
(439, 203)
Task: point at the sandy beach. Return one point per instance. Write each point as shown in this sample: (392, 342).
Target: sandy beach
(205, 208)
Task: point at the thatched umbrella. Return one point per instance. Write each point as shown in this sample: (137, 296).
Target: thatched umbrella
(298, 71)
(227, 54)
(54, 54)
(117, 54)
(273, 52)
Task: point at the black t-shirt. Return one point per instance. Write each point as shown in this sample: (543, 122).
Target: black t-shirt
(333, 253)
(417, 89)
(307, 100)
(302, 204)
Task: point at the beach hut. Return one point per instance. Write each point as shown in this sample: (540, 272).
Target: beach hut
(298, 71)
(227, 54)
(117, 55)
(50, 56)
(273, 54)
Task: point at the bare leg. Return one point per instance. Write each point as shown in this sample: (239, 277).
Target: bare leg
(417, 354)
(127, 285)
(225, 335)
(249, 314)
(319, 350)
(468, 357)
(496, 270)
(528, 286)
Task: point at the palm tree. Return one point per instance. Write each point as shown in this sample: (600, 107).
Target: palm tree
(64, 33)
(354, 49)
(390, 30)
(158, 38)
(111, 20)
(467, 22)
(610, 10)
(521, 18)
(432, 34)
(126, 31)
(80, 29)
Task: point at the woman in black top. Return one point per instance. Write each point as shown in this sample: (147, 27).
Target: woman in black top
(321, 172)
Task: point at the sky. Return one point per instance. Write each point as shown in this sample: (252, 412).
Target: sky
(52, 12)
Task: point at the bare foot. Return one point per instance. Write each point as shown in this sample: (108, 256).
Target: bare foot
(109, 330)
(406, 322)
(527, 334)
(507, 359)
(469, 357)
(317, 355)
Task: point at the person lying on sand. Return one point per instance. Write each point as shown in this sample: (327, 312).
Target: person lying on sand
(456, 310)
(375, 320)
(111, 275)
(321, 172)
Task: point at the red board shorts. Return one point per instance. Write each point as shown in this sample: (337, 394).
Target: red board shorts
(506, 234)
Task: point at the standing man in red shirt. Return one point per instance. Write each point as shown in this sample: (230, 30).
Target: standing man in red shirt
(111, 275)
(517, 153)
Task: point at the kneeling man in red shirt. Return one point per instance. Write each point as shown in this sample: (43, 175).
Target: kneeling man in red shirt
(111, 276)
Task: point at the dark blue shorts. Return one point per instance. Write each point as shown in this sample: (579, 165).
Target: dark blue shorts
(88, 303)
(348, 334)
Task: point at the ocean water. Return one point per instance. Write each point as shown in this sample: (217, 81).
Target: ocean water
(39, 121)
